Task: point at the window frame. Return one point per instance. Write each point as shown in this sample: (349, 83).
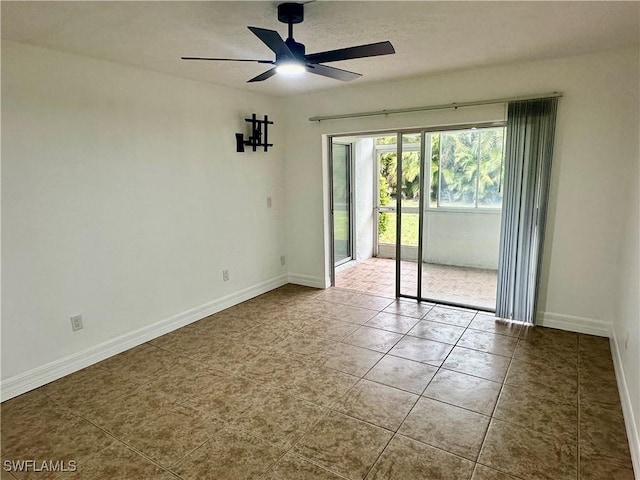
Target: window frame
(465, 209)
(428, 132)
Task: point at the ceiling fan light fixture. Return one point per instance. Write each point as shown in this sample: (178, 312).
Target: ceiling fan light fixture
(290, 68)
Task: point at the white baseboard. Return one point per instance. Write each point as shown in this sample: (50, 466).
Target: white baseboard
(627, 406)
(23, 382)
(308, 280)
(589, 326)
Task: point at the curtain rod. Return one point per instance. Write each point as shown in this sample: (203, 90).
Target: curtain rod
(435, 107)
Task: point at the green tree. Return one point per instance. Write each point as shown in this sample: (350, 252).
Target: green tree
(470, 165)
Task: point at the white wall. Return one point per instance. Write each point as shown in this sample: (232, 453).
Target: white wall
(365, 197)
(626, 322)
(465, 239)
(123, 200)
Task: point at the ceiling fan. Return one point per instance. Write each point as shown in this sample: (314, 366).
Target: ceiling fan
(291, 57)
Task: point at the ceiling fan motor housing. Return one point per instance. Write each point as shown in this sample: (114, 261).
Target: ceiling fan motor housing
(291, 12)
(296, 48)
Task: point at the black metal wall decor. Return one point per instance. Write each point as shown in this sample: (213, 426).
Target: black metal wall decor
(259, 136)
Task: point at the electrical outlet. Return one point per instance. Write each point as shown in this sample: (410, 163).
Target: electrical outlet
(76, 323)
(269, 203)
(225, 275)
(283, 260)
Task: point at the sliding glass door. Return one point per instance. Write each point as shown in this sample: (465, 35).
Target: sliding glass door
(341, 203)
(449, 195)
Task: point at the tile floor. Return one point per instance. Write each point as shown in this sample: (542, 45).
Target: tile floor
(445, 283)
(307, 384)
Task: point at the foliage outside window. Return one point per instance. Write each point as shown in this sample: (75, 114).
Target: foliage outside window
(465, 171)
(466, 168)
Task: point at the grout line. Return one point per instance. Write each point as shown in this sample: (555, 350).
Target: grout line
(578, 475)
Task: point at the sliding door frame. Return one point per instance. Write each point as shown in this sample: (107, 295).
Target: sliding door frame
(331, 204)
(425, 186)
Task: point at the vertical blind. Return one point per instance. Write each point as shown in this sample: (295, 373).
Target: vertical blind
(529, 150)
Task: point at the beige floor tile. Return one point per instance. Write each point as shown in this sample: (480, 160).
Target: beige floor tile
(409, 308)
(227, 358)
(320, 385)
(77, 440)
(91, 386)
(351, 359)
(229, 397)
(294, 319)
(357, 315)
(401, 373)
(596, 360)
(371, 301)
(534, 412)
(546, 345)
(167, 435)
(264, 335)
(485, 473)
(184, 379)
(277, 366)
(421, 350)
(338, 295)
(293, 467)
(33, 400)
(480, 364)
(492, 324)
(553, 381)
(344, 445)
(140, 364)
(272, 367)
(117, 416)
(590, 343)
(546, 336)
(599, 389)
(117, 461)
(464, 391)
(229, 455)
(602, 431)
(446, 283)
(6, 475)
(373, 339)
(450, 316)
(488, 342)
(540, 353)
(438, 332)
(445, 426)
(528, 454)
(280, 419)
(598, 467)
(330, 328)
(186, 341)
(392, 322)
(29, 415)
(375, 403)
(303, 346)
(405, 459)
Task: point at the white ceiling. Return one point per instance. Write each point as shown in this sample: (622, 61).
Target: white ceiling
(429, 37)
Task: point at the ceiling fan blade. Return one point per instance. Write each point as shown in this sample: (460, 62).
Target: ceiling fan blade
(228, 59)
(263, 76)
(332, 72)
(274, 41)
(361, 51)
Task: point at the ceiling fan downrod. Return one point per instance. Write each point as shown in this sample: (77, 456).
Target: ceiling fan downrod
(291, 13)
